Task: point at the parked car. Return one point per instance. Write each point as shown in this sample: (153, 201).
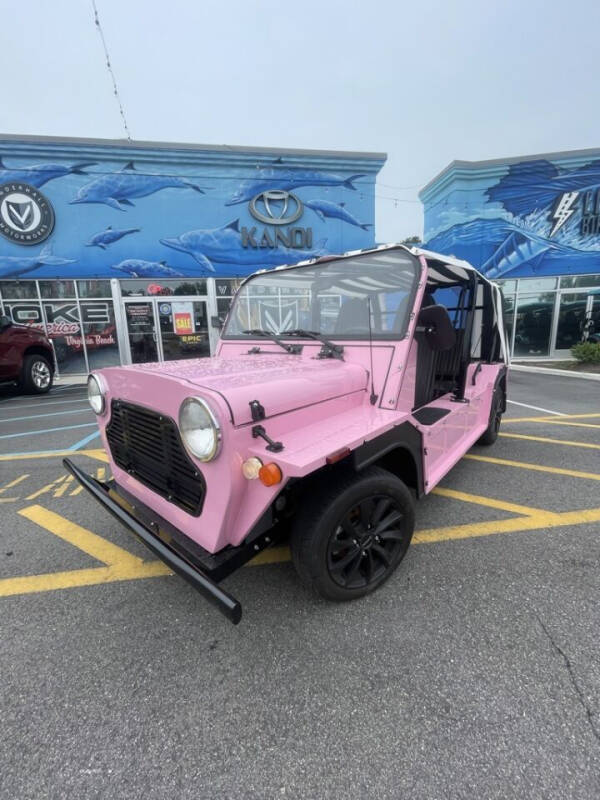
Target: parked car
(26, 357)
(333, 435)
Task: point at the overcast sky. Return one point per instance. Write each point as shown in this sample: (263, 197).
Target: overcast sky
(426, 81)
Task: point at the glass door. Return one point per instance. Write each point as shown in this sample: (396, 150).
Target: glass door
(140, 316)
(571, 319)
(183, 327)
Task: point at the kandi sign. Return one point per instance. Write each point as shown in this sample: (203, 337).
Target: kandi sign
(277, 207)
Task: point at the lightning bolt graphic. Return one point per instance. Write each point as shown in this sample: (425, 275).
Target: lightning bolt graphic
(564, 210)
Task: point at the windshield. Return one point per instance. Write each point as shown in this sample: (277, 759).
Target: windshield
(336, 298)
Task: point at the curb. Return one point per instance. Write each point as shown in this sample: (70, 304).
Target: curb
(563, 373)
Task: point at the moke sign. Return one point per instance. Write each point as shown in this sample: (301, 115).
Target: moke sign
(277, 207)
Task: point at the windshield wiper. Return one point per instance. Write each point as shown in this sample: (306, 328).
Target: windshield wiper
(292, 349)
(330, 349)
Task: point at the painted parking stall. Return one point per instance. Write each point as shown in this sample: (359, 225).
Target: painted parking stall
(494, 609)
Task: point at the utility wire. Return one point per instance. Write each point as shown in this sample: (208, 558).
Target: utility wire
(110, 70)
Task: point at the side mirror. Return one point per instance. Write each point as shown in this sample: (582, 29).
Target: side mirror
(5, 322)
(437, 326)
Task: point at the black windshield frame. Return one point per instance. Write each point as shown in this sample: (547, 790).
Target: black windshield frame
(327, 263)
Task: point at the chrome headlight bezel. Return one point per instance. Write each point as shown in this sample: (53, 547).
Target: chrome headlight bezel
(214, 426)
(102, 389)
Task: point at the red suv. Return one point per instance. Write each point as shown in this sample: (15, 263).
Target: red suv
(26, 357)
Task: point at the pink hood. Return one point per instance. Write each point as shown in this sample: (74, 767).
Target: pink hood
(280, 384)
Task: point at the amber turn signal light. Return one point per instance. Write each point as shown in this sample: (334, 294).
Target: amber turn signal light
(270, 474)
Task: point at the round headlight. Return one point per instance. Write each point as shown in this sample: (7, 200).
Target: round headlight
(96, 392)
(199, 428)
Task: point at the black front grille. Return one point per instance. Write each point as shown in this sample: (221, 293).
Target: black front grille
(148, 446)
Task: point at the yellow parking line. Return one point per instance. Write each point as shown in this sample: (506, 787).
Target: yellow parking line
(592, 476)
(92, 544)
(99, 455)
(29, 584)
(13, 483)
(514, 525)
(63, 487)
(8, 499)
(573, 424)
(549, 441)
(491, 502)
(47, 488)
(546, 418)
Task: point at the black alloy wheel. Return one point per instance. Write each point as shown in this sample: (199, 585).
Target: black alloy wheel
(352, 532)
(366, 542)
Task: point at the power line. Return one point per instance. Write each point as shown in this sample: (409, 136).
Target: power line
(110, 70)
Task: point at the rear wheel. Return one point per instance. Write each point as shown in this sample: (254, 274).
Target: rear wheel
(353, 534)
(491, 433)
(36, 377)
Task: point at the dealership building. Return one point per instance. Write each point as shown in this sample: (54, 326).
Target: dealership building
(531, 223)
(127, 252)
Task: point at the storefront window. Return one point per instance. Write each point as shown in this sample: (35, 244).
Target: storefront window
(99, 329)
(25, 314)
(580, 280)
(64, 328)
(533, 324)
(51, 289)
(18, 290)
(508, 286)
(183, 329)
(158, 288)
(93, 288)
(536, 285)
(509, 316)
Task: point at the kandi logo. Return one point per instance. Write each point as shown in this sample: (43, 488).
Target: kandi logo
(26, 216)
(568, 203)
(277, 207)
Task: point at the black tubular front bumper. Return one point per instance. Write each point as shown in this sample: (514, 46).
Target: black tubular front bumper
(200, 579)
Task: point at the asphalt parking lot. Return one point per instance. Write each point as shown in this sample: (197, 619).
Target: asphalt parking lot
(474, 673)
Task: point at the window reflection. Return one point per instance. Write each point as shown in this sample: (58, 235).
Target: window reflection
(533, 324)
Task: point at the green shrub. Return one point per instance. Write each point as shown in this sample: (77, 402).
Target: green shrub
(588, 352)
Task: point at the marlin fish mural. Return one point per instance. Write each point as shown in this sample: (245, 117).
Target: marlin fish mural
(535, 184)
(325, 208)
(272, 178)
(12, 266)
(222, 246)
(118, 188)
(138, 268)
(110, 235)
(40, 174)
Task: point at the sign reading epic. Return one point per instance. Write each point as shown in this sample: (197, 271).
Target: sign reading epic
(277, 207)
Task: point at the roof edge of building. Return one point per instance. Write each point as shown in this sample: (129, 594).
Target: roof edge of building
(243, 152)
(466, 166)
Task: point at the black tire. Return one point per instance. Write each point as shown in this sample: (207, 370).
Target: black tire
(334, 550)
(37, 375)
(491, 433)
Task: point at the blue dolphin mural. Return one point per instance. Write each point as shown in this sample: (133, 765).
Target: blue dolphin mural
(222, 246)
(12, 266)
(325, 208)
(138, 268)
(108, 236)
(40, 174)
(118, 188)
(535, 184)
(288, 179)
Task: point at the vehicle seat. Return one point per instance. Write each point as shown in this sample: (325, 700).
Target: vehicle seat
(353, 316)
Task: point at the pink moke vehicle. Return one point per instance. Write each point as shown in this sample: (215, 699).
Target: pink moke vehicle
(341, 388)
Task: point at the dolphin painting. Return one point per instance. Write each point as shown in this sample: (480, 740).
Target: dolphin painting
(138, 268)
(325, 208)
(15, 266)
(535, 184)
(222, 246)
(108, 236)
(40, 174)
(118, 188)
(288, 179)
